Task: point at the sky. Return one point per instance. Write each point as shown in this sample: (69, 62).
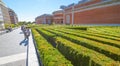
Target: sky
(28, 10)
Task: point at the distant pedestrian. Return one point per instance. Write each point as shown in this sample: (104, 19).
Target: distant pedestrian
(9, 29)
(23, 28)
(27, 33)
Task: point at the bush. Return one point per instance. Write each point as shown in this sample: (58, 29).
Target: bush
(48, 54)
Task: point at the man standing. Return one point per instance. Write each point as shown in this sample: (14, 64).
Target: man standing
(23, 28)
(27, 33)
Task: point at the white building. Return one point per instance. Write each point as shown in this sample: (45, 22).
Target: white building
(4, 15)
(1, 20)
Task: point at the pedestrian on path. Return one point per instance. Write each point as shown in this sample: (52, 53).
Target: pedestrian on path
(27, 33)
(23, 28)
(9, 29)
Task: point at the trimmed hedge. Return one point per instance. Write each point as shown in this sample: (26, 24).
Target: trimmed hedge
(78, 28)
(96, 34)
(103, 32)
(48, 54)
(11, 25)
(109, 51)
(98, 39)
(78, 55)
(83, 56)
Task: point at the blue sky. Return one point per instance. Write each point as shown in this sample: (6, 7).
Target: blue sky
(27, 10)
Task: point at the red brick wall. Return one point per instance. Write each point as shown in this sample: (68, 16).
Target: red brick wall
(87, 3)
(105, 15)
(70, 18)
(49, 17)
(40, 20)
(68, 9)
(58, 18)
(58, 21)
(58, 15)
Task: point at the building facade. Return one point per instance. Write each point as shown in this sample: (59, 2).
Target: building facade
(1, 20)
(93, 12)
(5, 13)
(58, 17)
(88, 12)
(13, 16)
(7, 16)
(44, 19)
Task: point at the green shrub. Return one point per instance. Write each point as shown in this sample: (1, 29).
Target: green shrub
(48, 54)
(97, 46)
(78, 55)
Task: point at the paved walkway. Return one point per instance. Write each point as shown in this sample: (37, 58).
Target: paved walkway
(14, 51)
(2, 32)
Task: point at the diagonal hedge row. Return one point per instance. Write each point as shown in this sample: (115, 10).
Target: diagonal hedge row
(84, 56)
(115, 29)
(78, 55)
(48, 54)
(109, 51)
(96, 34)
(94, 30)
(109, 30)
(98, 39)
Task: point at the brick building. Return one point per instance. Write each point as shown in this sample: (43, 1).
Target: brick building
(13, 16)
(87, 12)
(58, 17)
(44, 19)
(93, 12)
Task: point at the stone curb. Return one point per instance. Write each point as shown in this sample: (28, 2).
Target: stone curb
(32, 57)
